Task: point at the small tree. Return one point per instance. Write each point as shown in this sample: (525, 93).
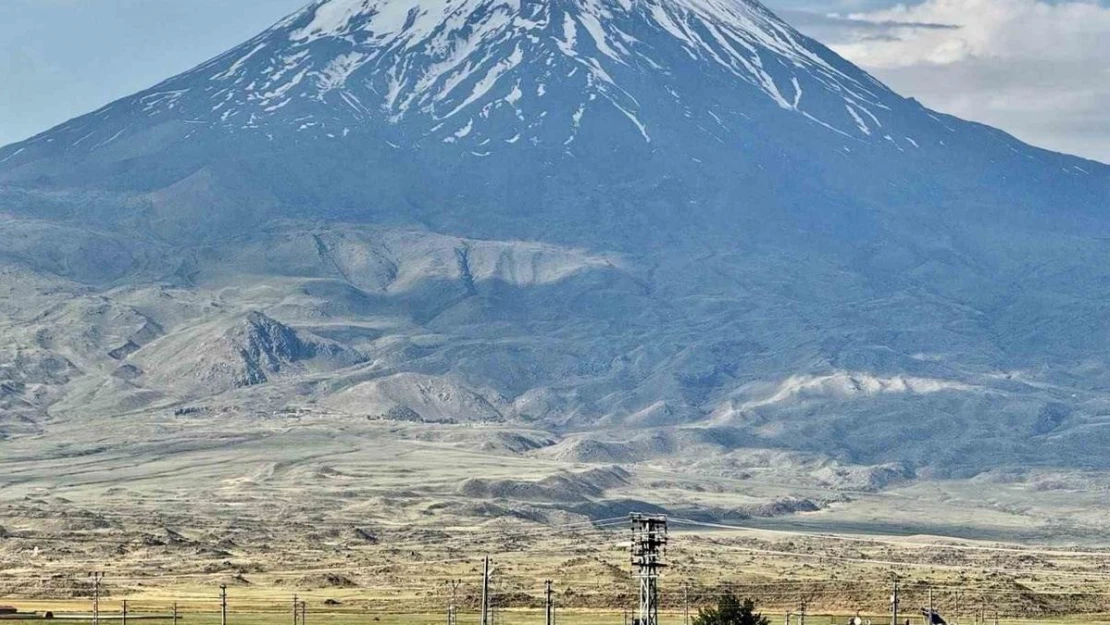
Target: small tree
(731, 611)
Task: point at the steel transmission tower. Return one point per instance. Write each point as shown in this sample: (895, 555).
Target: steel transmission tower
(649, 546)
(98, 577)
(452, 609)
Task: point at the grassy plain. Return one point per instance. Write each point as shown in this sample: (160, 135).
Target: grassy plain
(368, 522)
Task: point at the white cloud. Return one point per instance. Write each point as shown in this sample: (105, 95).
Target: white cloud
(1040, 70)
(988, 29)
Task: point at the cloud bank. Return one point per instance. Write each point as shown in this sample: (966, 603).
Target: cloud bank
(1040, 70)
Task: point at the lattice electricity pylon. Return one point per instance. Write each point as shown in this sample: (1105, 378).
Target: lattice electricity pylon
(649, 547)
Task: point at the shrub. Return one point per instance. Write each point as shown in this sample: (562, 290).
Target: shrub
(731, 611)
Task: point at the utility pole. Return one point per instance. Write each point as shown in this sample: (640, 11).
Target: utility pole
(685, 603)
(97, 576)
(549, 607)
(296, 608)
(894, 605)
(485, 593)
(786, 621)
(802, 614)
(174, 613)
(959, 601)
(123, 612)
(649, 543)
(304, 612)
(223, 604)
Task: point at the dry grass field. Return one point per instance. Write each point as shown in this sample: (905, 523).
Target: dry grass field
(400, 573)
(368, 522)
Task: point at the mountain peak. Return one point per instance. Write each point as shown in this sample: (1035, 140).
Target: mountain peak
(489, 74)
(461, 58)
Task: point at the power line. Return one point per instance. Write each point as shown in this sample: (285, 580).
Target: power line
(892, 542)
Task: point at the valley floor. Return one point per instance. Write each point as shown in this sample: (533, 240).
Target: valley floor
(369, 520)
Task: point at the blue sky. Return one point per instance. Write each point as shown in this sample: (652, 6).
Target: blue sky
(1037, 68)
(61, 58)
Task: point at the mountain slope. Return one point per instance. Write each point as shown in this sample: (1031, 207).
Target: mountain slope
(589, 216)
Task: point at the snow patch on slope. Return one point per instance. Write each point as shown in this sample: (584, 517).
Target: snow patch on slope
(430, 50)
(849, 385)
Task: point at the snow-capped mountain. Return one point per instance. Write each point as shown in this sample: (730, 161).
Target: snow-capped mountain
(415, 111)
(570, 213)
(465, 71)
